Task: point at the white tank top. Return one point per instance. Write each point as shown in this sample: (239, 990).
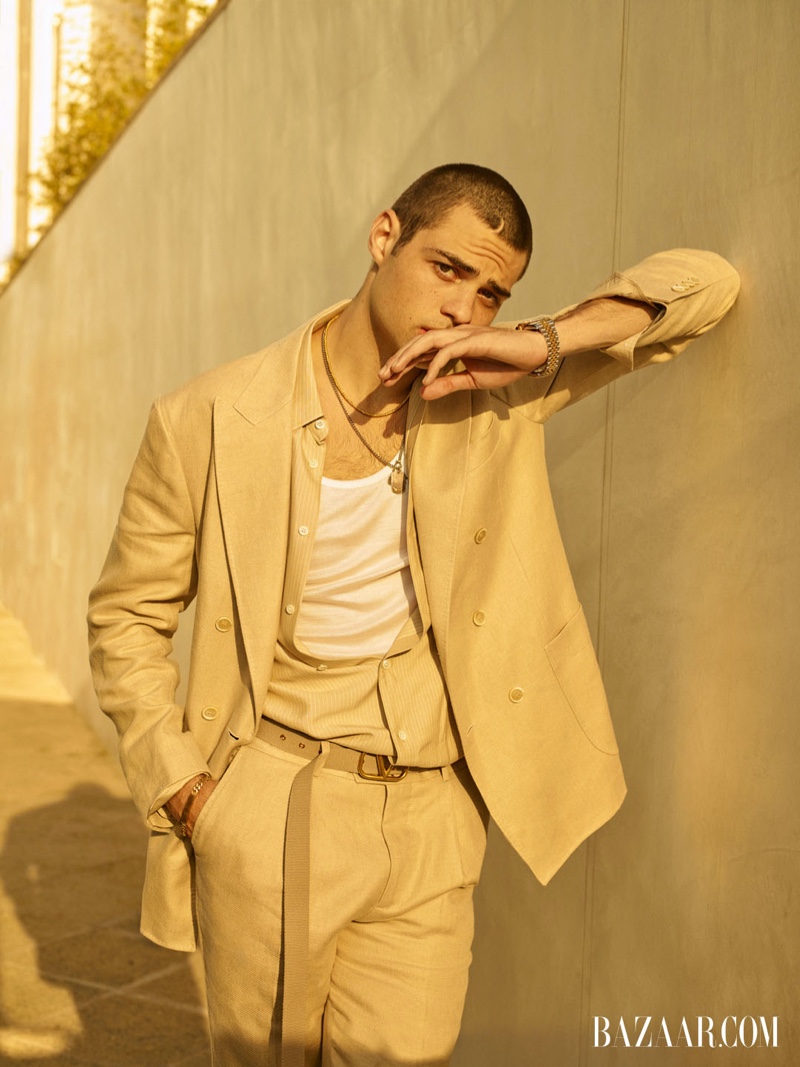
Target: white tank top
(359, 591)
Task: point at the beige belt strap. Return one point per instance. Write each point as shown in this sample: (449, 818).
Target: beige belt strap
(297, 865)
(376, 768)
(296, 870)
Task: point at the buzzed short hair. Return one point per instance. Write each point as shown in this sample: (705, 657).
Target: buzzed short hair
(495, 201)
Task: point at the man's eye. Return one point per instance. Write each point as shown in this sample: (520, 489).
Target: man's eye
(491, 297)
(446, 268)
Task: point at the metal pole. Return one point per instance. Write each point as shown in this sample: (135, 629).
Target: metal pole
(57, 35)
(25, 11)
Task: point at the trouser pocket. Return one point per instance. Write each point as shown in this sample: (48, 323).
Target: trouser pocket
(471, 819)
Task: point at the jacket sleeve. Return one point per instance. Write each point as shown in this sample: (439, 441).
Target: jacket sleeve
(149, 577)
(692, 289)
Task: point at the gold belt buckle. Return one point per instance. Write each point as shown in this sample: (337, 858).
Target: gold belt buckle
(387, 771)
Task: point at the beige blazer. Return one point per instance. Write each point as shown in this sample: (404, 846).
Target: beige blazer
(205, 515)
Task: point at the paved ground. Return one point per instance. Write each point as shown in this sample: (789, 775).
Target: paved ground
(79, 986)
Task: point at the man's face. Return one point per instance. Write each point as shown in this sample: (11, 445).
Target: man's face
(458, 272)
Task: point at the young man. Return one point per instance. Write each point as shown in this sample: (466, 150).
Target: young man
(387, 641)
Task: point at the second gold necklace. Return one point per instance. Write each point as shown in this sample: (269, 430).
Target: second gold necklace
(397, 479)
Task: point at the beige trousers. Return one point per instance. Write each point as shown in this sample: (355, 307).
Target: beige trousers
(393, 868)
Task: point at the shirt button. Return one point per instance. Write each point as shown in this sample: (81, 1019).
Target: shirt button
(480, 536)
(313, 463)
(289, 609)
(385, 664)
(223, 624)
(515, 695)
(302, 530)
(320, 424)
(210, 713)
(403, 735)
(479, 618)
(322, 666)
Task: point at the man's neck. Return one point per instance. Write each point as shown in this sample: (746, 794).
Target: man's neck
(354, 358)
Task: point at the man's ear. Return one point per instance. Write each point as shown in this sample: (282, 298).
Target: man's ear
(383, 236)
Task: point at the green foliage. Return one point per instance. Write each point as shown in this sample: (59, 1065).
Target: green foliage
(125, 61)
(102, 94)
(168, 34)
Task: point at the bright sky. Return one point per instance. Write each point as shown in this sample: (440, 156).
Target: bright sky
(8, 112)
(45, 14)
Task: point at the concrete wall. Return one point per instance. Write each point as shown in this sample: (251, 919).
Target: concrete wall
(237, 204)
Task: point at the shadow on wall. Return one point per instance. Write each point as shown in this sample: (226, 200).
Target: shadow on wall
(78, 983)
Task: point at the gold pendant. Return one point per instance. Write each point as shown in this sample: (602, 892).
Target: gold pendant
(397, 480)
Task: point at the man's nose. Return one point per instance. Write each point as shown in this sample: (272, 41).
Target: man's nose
(459, 306)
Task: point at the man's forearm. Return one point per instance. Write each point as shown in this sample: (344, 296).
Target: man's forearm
(600, 323)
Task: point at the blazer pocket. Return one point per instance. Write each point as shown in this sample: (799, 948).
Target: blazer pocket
(208, 808)
(574, 663)
(483, 437)
(471, 820)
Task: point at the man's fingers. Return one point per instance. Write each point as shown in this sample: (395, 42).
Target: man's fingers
(389, 374)
(477, 374)
(463, 349)
(440, 350)
(448, 383)
(420, 349)
(438, 364)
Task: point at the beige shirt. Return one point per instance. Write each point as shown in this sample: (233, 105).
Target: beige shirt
(395, 705)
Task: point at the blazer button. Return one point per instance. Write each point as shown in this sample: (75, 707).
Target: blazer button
(479, 618)
(210, 713)
(685, 283)
(480, 536)
(223, 624)
(515, 695)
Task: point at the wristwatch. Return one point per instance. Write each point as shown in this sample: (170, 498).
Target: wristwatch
(547, 328)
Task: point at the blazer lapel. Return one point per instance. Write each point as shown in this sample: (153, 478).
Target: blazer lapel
(252, 459)
(253, 465)
(438, 451)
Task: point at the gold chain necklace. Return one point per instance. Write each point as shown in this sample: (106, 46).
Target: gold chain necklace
(338, 388)
(397, 479)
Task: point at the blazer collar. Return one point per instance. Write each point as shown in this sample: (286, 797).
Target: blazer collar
(286, 373)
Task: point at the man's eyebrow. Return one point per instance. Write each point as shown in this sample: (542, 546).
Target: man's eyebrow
(467, 268)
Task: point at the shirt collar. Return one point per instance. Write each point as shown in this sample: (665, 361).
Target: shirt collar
(307, 405)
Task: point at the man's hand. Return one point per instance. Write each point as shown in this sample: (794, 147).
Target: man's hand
(492, 358)
(495, 357)
(175, 805)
